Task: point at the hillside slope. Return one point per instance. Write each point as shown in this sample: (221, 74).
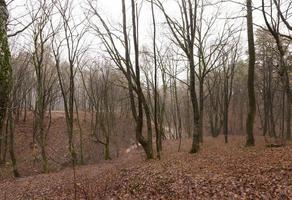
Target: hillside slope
(218, 172)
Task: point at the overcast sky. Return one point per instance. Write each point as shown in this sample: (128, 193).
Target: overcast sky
(111, 10)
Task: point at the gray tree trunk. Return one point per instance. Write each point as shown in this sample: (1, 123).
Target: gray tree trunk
(251, 92)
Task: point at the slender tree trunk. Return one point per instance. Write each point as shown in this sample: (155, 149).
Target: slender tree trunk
(283, 115)
(44, 158)
(179, 128)
(106, 149)
(194, 101)
(5, 148)
(25, 109)
(251, 92)
(288, 106)
(11, 142)
(288, 123)
(189, 121)
(142, 103)
(265, 112)
(155, 84)
(71, 111)
(80, 134)
(225, 125)
(39, 123)
(201, 91)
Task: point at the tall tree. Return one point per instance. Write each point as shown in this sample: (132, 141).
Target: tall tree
(250, 82)
(129, 67)
(45, 75)
(158, 134)
(5, 64)
(72, 39)
(184, 35)
(273, 24)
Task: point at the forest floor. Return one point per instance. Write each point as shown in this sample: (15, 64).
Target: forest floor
(218, 171)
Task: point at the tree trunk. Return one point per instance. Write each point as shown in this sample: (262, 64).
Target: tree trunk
(80, 134)
(5, 68)
(288, 123)
(201, 91)
(251, 92)
(226, 109)
(142, 103)
(289, 105)
(194, 101)
(11, 142)
(106, 149)
(155, 85)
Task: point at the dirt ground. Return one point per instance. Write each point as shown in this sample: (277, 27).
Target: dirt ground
(29, 159)
(218, 171)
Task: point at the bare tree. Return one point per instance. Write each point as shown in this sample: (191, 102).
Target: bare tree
(130, 68)
(45, 74)
(229, 65)
(5, 65)
(273, 24)
(210, 49)
(250, 83)
(184, 35)
(72, 40)
(158, 133)
(266, 52)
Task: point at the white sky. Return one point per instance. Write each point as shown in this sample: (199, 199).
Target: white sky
(111, 10)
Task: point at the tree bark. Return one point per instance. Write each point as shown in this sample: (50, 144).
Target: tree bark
(5, 68)
(250, 83)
